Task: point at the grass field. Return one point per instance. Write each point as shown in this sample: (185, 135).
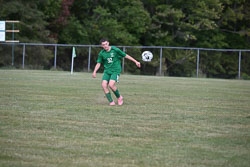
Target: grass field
(51, 118)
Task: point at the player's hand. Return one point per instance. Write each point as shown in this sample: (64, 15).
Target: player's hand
(138, 64)
(94, 74)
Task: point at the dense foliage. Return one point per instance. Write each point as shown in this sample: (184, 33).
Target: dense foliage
(193, 23)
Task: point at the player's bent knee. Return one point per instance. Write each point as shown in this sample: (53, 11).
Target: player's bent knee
(112, 85)
(104, 84)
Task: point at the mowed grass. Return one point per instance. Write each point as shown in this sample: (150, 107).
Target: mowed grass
(54, 119)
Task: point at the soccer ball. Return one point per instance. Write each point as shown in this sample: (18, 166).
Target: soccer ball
(147, 56)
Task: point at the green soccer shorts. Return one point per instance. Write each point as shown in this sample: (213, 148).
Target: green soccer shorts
(110, 76)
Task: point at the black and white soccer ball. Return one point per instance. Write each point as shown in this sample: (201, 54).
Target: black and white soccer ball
(147, 56)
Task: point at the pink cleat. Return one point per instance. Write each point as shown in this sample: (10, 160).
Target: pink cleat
(120, 100)
(112, 103)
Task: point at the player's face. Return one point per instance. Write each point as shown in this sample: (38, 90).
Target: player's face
(106, 46)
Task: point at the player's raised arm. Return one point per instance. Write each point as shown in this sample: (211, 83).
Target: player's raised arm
(138, 64)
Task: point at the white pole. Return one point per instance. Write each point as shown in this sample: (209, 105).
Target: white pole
(72, 64)
(89, 59)
(197, 65)
(55, 56)
(23, 54)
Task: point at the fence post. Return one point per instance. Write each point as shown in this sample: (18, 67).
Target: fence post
(160, 61)
(197, 66)
(239, 64)
(55, 56)
(89, 58)
(13, 45)
(123, 60)
(23, 54)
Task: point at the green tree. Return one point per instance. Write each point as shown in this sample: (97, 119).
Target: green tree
(32, 28)
(73, 33)
(32, 21)
(234, 23)
(105, 25)
(135, 18)
(177, 22)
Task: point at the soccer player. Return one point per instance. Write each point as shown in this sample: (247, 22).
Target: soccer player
(111, 57)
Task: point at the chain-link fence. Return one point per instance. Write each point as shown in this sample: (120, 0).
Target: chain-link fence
(167, 61)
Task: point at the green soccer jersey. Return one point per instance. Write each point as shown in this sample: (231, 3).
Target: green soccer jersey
(111, 60)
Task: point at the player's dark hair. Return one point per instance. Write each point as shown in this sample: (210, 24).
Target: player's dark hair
(103, 40)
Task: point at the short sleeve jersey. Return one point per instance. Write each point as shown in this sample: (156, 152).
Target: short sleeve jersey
(111, 60)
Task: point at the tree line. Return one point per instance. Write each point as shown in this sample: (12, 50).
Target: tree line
(193, 23)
